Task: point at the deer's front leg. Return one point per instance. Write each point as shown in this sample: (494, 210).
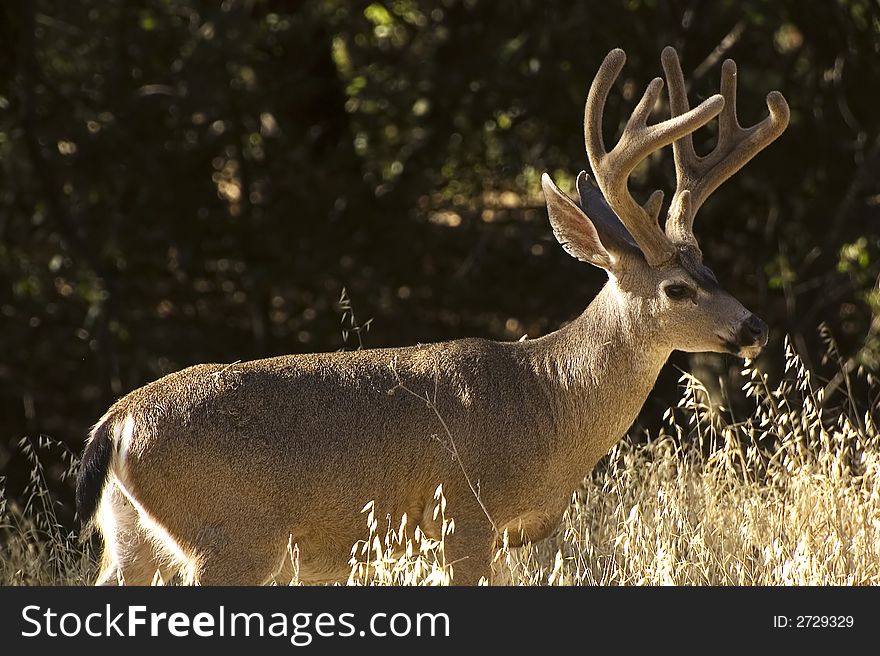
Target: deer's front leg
(469, 549)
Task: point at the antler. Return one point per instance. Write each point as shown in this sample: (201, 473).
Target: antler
(697, 177)
(638, 140)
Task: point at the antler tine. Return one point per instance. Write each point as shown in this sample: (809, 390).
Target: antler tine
(612, 169)
(697, 177)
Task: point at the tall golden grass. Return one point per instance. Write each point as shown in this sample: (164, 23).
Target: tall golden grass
(787, 496)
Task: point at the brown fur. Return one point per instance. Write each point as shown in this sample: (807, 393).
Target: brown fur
(217, 469)
(233, 461)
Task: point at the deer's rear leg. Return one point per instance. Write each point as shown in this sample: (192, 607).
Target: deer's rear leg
(130, 555)
(239, 558)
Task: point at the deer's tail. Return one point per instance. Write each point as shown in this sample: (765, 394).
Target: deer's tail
(94, 471)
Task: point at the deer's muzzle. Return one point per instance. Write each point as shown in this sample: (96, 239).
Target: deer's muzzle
(752, 332)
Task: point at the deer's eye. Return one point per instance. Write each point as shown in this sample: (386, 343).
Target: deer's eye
(679, 292)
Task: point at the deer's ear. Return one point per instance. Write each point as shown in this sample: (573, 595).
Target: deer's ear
(573, 229)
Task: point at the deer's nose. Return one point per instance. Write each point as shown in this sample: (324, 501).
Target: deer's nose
(753, 332)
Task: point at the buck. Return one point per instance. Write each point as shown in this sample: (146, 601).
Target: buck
(215, 470)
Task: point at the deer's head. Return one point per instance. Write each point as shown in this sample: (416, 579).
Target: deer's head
(661, 273)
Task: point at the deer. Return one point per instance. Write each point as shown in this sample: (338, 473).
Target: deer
(212, 472)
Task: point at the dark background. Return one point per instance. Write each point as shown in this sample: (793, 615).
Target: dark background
(184, 182)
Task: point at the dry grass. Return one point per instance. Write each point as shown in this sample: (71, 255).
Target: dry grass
(35, 549)
(788, 496)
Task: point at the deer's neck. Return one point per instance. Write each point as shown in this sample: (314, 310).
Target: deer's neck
(599, 370)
